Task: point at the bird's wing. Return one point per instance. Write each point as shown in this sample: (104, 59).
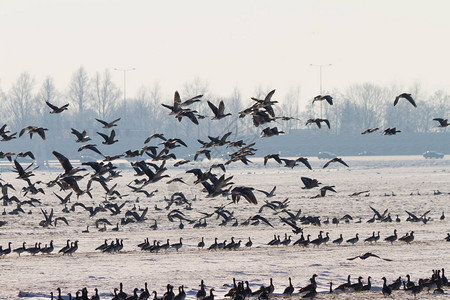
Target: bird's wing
(376, 212)
(103, 122)
(77, 133)
(342, 162)
(304, 160)
(104, 136)
(327, 163)
(352, 258)
(64, 161)
(214, 109)
(51, 105)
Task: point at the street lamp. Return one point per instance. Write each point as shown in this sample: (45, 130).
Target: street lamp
(124, 86)
(320, 80)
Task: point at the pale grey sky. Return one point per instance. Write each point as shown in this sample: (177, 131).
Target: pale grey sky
(228, 43)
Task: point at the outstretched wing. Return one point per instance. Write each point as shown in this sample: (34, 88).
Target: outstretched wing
(51, 105)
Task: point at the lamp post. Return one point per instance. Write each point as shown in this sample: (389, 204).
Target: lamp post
(320, 81)
(124, 86)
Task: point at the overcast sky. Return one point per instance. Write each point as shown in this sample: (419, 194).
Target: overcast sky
(228, 44)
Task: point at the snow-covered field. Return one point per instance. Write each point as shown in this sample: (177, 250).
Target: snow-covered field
(413, 180)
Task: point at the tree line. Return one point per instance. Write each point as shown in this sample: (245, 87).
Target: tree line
(358, 107)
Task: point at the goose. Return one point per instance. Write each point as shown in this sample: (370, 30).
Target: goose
(108, 125)
(34, 250)
(415, 289)
(386, 290)
(177, 246)
(310, 287)
(86, 230)
(370, 130)
(442, 218)
(211, 295)
(370, 239)
(409, 238)
(201, 294)
(442, 122)
(181, 293)
(333, 160)
(367, 255)
(249, 243)
(49, 249)
(218, 112)
(339, 240)
(327, 98)
(108, 139)
(353, 240)
(134, 296)
(368, 286)
(20, 250)
(357, 286)
(317, 122)
(59, 294)
(201, 244)
(344, 286)
(7, 250)
(289, 289)
(392, 238)
(169, 294)
(72, 249)
(409, 283)
(405, 96)
(319, 240)
(396, 284)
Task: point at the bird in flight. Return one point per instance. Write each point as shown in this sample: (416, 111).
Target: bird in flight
(367, 255)
(56, 109)
(442, 122)
(328, 98)
(108, 124)
(405, 96)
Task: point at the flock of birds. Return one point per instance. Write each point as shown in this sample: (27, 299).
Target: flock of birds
(242, 290)
(104, 172)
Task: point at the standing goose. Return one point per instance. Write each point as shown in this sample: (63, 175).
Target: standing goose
(344, 286)
(201, 294)
(201, 244)
(386, 290)
(211, 295)
(249, 243)
(392, 238)
(353, 240)
(177, 246)
(20, 250)
(289, 289)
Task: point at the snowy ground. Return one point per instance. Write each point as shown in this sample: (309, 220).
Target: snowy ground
(412, 179)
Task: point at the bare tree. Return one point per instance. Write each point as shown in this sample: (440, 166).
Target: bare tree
(20, 104)
(80, 91)
(106, 94)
